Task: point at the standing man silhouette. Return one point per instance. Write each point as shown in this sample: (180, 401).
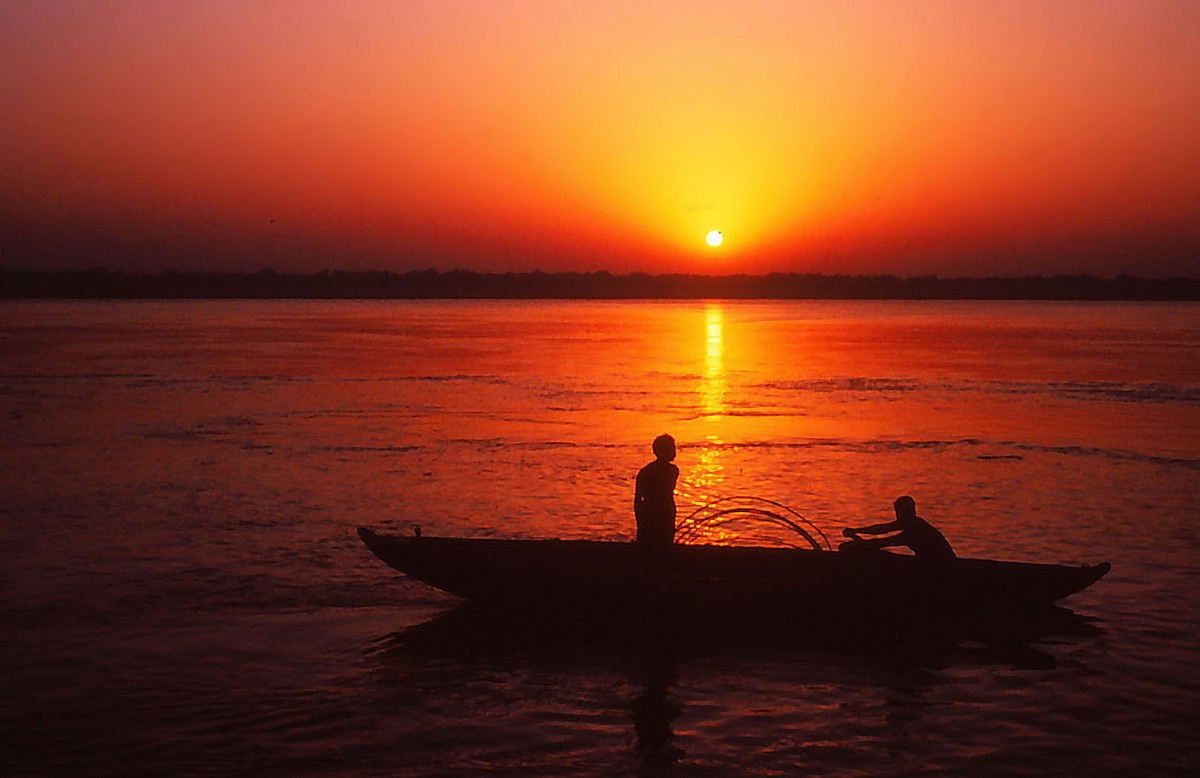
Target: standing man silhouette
(654, 496)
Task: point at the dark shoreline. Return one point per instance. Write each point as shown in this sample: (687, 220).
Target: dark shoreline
(100, 283)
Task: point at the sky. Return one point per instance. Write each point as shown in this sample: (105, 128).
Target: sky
(993, 137)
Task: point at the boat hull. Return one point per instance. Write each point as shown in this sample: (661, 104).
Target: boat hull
(542, 574)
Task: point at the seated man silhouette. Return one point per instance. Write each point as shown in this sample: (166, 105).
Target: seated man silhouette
(908, 529)
(654, 496)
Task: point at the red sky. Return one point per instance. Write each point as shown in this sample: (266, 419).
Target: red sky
(959, 138)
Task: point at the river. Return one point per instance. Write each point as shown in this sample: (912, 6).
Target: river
(183, 592)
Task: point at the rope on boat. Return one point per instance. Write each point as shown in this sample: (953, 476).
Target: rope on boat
(749, 507)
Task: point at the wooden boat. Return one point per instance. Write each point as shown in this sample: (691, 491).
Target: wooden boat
(572, 574)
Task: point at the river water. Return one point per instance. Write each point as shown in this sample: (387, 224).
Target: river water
(182, 591)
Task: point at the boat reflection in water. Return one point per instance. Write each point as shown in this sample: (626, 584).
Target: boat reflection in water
(476, 630)
(654, 673)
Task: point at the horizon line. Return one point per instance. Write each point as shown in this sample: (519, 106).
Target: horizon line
(101, 283)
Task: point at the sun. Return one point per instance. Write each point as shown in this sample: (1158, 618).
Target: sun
(714, 238)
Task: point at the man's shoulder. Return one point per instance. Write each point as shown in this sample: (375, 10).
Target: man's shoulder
(658, 467)
(924, 526)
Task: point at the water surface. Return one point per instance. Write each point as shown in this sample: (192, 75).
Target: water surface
(184, 593)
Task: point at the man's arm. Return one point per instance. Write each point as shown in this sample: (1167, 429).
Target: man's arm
(639, 491)
(873, 529)
(891, 540)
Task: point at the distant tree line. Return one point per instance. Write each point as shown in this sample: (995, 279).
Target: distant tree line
(100, 283)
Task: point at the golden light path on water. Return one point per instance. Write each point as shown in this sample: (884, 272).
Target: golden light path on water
(714, 385)
(707, 479)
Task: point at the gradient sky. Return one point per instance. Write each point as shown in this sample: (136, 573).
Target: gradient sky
(959, 138)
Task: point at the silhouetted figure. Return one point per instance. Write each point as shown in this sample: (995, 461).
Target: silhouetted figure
(654, 496)
(909, 530)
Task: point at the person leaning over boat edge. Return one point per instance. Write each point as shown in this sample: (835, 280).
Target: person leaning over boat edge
(654, 496)
(909, 529)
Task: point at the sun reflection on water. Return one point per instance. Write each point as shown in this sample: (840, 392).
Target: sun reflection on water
(713, 386)
(704, 479)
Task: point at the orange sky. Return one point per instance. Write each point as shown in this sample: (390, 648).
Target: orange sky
(956, 138)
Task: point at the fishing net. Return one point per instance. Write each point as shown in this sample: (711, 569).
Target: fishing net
(709, 521)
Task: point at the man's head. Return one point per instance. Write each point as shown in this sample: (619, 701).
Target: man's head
(906, 507)
(664, 447)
